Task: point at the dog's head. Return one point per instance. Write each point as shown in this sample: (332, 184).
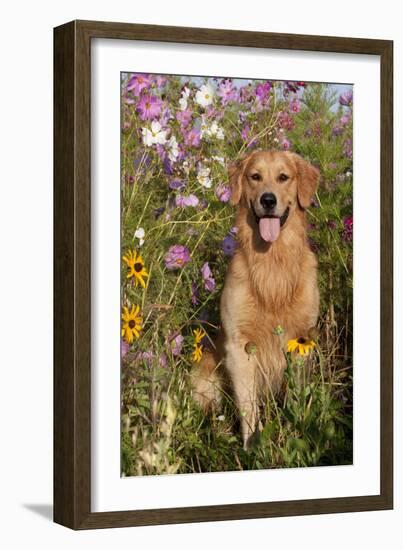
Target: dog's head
(272, 184)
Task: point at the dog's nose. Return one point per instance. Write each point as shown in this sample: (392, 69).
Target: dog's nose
(268, 201)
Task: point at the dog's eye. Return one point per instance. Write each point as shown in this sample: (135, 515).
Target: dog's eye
(283, 177)
(256, 177)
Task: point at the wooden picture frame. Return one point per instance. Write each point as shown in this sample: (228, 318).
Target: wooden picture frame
(72, 271)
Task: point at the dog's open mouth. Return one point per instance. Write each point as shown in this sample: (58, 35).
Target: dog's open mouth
(270, 226)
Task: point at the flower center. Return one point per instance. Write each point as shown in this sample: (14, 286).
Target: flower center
(138, 267)
(179, 261)
(132, 323)
(301, 341)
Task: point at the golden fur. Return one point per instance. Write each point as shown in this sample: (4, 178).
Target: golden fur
(267, 284)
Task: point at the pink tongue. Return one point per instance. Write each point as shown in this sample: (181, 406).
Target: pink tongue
(269, 229)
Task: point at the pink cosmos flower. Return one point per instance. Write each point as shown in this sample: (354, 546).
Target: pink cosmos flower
(295, 105)
(183, 201)
(285, 121)
(226, 91)
(149, 107)
(176, 343)
(223, 193)
(285, 144)
(263, 91)
(209, 282)
(346, 98)
(138, 83)
(176, 257)
(192, 138)
(184, 118)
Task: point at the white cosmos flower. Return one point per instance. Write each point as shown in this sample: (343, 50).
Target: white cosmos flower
(183, 102)
(173, 152)
(220, 160)
(155, 135)
(203, 177)
(216, 131)
(205, 95)
(140, 234)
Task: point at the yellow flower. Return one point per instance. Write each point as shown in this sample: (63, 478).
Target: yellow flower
(132, 323)
(136, 267)
(199, 335)
(197, 346)
(301, 345)
(197, 352)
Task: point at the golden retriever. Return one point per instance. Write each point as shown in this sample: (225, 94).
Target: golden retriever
(271, 281)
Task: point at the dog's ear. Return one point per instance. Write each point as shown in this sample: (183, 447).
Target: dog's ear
(308, 179)
(235, 174)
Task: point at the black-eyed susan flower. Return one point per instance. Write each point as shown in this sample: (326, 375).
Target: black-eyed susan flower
(131, 323)
(301, 345)
(136, 267)
(197, 345)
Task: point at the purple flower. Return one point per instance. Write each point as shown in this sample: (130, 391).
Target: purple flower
(226, 91)
(345, 119)
(176, 184)
(176, 257)
(160, 81)
(209, 282)
(348, 148)
(195, 294)
(162, 360)
(184, 118)
(192, 138)
(149, 107)
(191, 200)
(245, 132)
(229, 245)
(285, 144)
(138, 83)
(347, 234)
(295, 106)
(263, 91)
(167, 166)
(285, 121)
(346, 98)
(337, 130)
(176, 343)
(223, 193)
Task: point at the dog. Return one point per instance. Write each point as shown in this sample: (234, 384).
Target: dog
(271, 282)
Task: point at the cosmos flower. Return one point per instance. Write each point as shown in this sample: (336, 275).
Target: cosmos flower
(285, 144)
(208, 279)
(183, 101)
(192, 138)
(176, 343)
(263, 91)
(205, 95)
(132, 323)
(203, 177)
(176, 257)
(223, 193)
(295, 105)
(183, 201)
(155, 135)
(184, 117)
(226, 91)
(138, 83)
(149, 107)
(346, 98)
(173, 151)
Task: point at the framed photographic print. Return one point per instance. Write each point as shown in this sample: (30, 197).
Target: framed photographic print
(223, 275)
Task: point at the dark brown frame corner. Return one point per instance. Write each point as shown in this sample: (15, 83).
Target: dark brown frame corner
(72, 215)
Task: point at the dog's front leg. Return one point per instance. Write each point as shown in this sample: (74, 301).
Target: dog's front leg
(243, 373)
